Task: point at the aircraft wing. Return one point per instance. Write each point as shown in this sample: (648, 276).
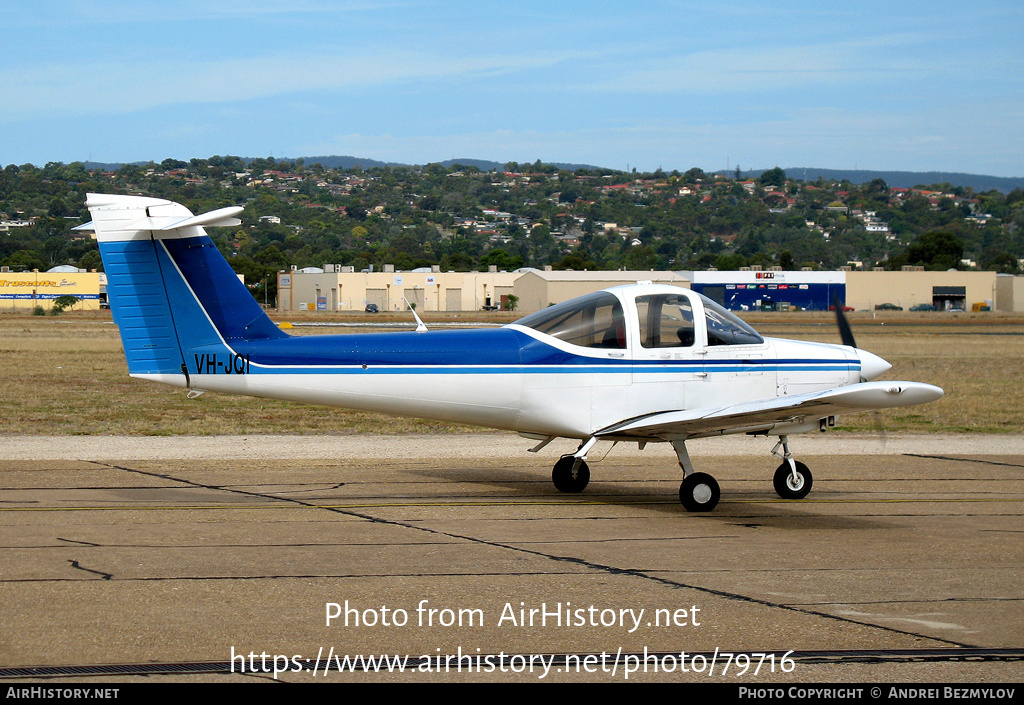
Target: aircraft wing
(765, 414)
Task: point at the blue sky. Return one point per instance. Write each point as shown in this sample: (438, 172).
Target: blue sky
(918, 86)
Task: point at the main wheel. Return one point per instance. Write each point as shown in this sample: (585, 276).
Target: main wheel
(563, 477)
(789, 487)
(699, 492)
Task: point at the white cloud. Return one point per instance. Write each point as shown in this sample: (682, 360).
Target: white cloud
(767, 68)
(113, 88)
(21, 13)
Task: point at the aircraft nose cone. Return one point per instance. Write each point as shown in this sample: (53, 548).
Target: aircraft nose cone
(871, 365)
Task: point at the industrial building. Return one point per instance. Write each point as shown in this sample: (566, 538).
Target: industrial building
(26, 290)
(336, 288)
(946, 291)
(861, 290)
(538, 289)
(771, 290)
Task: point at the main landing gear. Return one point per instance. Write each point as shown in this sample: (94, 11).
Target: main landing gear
(571, 473)
(699, 491)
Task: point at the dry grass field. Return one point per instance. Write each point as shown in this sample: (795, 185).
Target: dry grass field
(67, 375)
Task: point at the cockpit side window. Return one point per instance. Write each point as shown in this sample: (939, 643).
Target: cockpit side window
(592, 321)
(666, 321)
(725, 328)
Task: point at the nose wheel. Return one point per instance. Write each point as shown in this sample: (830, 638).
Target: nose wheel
(790, 483)
(792, 479)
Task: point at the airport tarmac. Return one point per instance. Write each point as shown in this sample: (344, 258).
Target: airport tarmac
(184, 558)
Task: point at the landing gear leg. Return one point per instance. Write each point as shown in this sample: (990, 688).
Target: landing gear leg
(792, 479)
(699, 492)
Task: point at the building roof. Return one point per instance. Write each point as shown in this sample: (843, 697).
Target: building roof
(610, 276)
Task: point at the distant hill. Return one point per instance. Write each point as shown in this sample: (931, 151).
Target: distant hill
(481, 164)
(107, 166)
(335, 162)
(899, 179)
(484, 165)
(347, 162)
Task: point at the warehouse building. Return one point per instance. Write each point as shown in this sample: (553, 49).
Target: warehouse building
(750, 290)
(26, 290)
(337, 288)
(538, 289)
(946, 291)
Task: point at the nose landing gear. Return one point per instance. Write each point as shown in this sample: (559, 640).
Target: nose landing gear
(792, 479)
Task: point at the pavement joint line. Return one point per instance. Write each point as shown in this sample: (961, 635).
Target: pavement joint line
(509, 503)
(573, 560)
(809, 657)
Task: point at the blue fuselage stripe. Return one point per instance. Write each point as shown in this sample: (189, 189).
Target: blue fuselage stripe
(472, 352)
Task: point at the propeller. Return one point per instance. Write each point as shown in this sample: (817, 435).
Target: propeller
(871, 365)
(845, 332)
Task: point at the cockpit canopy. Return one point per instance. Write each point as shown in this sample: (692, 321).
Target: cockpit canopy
(663, 320)
(592, 321)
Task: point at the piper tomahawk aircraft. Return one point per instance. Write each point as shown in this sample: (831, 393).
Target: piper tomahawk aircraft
(644, 363)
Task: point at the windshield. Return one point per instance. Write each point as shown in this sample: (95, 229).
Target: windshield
(591, 321)
(725, 328)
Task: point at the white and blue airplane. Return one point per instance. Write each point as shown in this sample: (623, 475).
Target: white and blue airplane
(644, 363)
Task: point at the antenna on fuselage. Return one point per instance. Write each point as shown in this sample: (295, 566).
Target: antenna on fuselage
(420, 326)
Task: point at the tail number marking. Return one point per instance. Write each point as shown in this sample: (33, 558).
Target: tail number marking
(213, 364)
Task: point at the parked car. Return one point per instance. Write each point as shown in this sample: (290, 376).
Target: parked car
(845, 308)
(888, 307)
(922, 307)
(372, 308)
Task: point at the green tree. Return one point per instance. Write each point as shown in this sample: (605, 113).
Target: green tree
(936, 249)
(773, 177)
(63, 302)
(501, 259)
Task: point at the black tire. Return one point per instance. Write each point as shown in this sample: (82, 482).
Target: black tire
(786, 488)
(565, 480)
(699, 492)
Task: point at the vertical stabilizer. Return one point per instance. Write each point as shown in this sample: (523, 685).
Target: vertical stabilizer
(170, 289)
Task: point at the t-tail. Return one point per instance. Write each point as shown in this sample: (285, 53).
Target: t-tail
(174, 297)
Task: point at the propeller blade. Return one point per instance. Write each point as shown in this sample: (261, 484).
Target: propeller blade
(845, 332)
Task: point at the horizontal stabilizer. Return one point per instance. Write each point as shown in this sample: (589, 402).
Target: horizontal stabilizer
(122, 218)
(220, 218)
